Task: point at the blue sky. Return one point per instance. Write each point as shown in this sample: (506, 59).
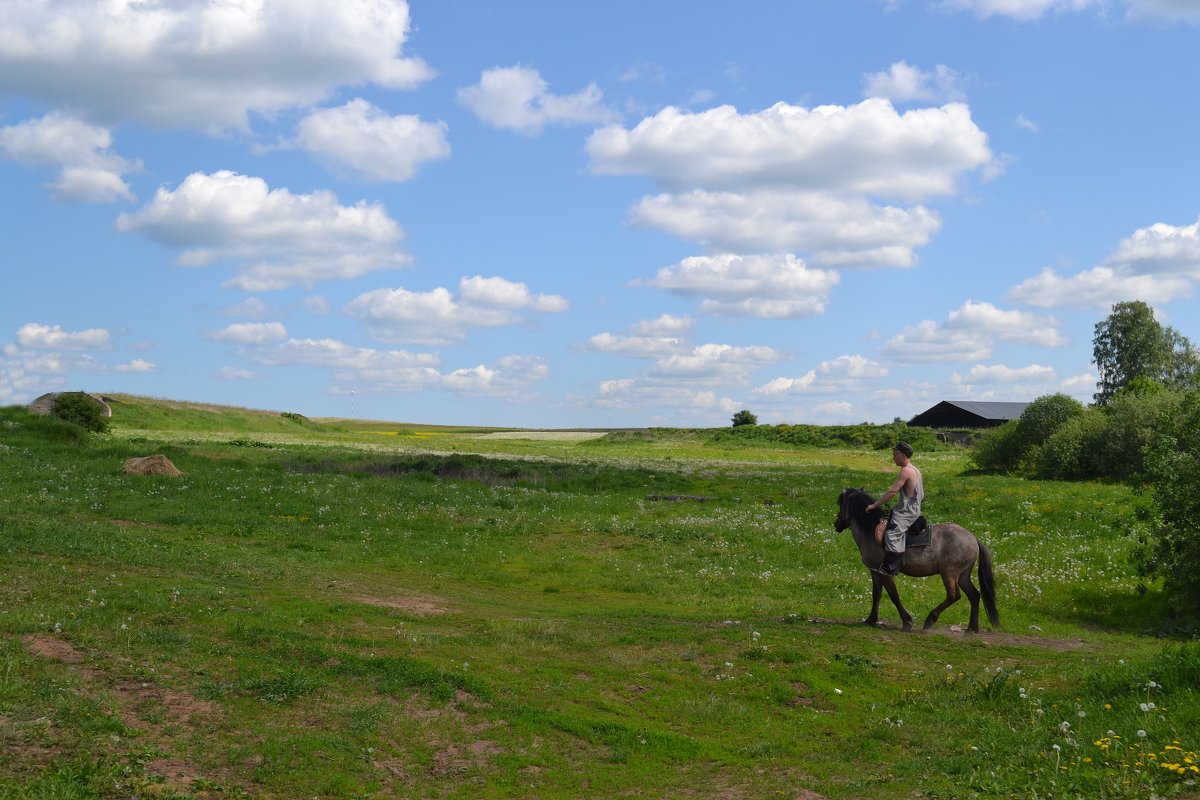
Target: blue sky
(563, 214)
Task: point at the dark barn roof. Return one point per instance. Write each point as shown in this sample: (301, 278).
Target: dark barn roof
(967, 414)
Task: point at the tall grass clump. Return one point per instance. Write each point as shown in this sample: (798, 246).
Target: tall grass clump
(19, 428)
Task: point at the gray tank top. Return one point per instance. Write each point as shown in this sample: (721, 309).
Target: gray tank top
(907, 509)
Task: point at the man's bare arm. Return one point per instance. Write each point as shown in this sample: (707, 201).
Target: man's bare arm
(893, 490)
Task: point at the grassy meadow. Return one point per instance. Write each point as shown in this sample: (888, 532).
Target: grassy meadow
(341, 609)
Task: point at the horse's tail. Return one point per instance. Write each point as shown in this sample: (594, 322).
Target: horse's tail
(987, 585)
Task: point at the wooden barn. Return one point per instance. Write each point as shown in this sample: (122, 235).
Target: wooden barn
(967, 414)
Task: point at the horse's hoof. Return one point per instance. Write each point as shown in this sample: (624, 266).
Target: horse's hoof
(870, 622)
(907, 627)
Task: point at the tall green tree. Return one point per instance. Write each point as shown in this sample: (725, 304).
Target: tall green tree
(1172, 551)
(1130, 344)
(744, 417)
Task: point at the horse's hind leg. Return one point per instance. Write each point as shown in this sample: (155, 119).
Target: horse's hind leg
(951, 584)
(973, 597)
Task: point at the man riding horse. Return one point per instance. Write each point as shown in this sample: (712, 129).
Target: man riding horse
(910, 488)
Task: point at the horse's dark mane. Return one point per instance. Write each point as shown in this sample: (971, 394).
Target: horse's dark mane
(856, 502)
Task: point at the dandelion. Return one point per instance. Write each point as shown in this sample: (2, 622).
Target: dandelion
(1141, 734)
(1082, 713)
(1064, 726)
(839, 691)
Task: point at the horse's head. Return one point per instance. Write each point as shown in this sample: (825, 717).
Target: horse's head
(851, 503)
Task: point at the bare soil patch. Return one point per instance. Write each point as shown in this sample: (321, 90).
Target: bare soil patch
(52, 648)
(174, 771)
(454, 759)
(413, 603)
(140, 705)
(128, 523)
(960, 632)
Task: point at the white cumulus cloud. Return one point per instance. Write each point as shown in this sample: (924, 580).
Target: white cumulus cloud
(441, 317)
(792, 193)
(836, 231)
(1160, 249)
(1024, 10)
(250, 333)
(969, 334)
(1000, 373)
(771, 286)
(1010, 325)
(709, 362)
(1166, 10)
(665, 325)
(904, 83)
(365, 369)
(866, 149)
(652, 338)
(1099, 287)
(88, 170)
(274, 239)
(688, 404)
(53, 337)
(136, 365)
(1027, 124)
(250, 308)
(204, 64)
(370, 143)
(1156, 264)
(1154, 11)
(235, 374)
(846, 374)
(518, 99)
(634, 346)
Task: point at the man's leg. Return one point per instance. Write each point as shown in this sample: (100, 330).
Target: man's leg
(893, 556)
(892, 562)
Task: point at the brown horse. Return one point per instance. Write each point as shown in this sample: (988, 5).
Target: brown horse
(952, 552)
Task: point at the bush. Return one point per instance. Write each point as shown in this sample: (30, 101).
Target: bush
(1172, 550)
(1134, 418)
(1108, 442)
(1040, 420)
(1077, 450)
(998, 450)
(1014, 445)
(81, 409)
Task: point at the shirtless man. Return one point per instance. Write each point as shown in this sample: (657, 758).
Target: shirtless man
(910, 489)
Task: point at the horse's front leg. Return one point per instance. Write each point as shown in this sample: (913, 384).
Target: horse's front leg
(876, 593)
(894, 594)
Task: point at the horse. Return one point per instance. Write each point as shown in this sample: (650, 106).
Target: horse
(952, 552)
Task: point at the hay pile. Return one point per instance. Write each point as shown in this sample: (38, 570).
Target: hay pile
(151, 465)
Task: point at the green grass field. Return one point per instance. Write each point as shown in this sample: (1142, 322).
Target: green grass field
(338, 609)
